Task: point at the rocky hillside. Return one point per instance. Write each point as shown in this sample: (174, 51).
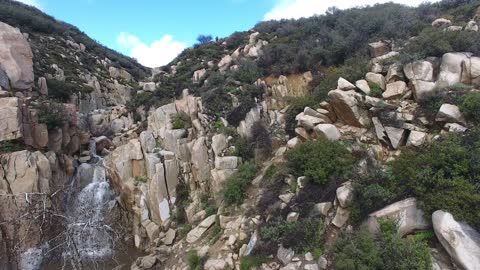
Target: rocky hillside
(342, 141)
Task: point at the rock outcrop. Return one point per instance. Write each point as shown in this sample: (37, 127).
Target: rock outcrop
(461, 241)
(16, 58)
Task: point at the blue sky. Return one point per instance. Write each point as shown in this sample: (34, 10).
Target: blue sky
(155, 31)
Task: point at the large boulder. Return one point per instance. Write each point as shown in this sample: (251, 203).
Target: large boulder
(450, 113)
(395, 90)
(160, 120)
(460, 240)
(10, 119)
(377, 79)
(25, 172)
(195, 234)
(327, 131)
(419, 70)
(16, 57)
(348, 108)
(441, 23)
(409, 217)
(422, 89)
(343, 84)
(452, 68)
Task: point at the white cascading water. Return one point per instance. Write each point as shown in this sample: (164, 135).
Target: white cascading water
(91, 234)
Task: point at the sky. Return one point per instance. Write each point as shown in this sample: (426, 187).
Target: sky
(156, 31)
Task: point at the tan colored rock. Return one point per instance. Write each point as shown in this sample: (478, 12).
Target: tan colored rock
(441, 23)
(395, 73)
(345, 194)
(345, 85)
(25, 172)
(416, 138)
(321, 209)
(422, 89)
(396, 136)
(348, 109)
(42, 86)
(195, 234)
(410, 218)
(363, 86)
(419, 70)
(10, 119)
(16, 57)
(460, 240)
(327, 131)
(119, 73)
(395, 90)
(377, 79)
(450, 113)
(341, 217)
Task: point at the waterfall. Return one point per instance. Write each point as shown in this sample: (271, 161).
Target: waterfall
(92, 236)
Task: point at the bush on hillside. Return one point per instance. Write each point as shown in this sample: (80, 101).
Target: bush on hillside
(305, 235)
(320, 161)
(435, 42)
(52, 114)
(236, 185)
(471, 107)
(181, 121)
(389, 251)
(247, 72)
(444, 176)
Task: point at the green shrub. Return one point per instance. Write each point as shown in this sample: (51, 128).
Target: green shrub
(235, 186)
(305, 235)
(320, 160)
(181, 121)
(184, 229)
(243, 148)
(375, 90)
(390, 251)
(250, 262)
(141, 179)
(11, 146)
(52, 114)
(247, 72)
(193, 260)
(436, 42)
(471, 107)
(444, 176)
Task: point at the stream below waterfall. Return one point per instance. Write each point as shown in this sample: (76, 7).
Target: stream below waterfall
(93, 219)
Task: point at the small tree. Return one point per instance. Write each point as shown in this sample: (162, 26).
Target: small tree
(203, 39)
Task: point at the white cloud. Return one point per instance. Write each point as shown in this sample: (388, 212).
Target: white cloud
(156, 54)
(35, 3)
(295, 9)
